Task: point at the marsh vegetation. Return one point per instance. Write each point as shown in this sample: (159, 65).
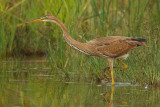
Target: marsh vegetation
(39, 69)
(85, 20)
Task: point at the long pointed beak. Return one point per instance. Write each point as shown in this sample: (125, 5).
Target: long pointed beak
(37, 20)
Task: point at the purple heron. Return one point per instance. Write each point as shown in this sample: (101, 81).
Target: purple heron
(109, 48)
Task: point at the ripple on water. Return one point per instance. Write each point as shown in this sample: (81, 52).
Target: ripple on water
(120, 84)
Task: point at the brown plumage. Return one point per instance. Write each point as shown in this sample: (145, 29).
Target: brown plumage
(110, 48)
(115, 46)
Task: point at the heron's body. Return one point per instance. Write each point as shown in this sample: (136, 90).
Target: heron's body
(110, 48)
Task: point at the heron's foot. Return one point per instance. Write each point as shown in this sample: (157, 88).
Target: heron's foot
(124, 65)
(112, 83)
(106, 75)
(119, 68)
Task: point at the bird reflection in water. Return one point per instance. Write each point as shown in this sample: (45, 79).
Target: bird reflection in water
(108, 97)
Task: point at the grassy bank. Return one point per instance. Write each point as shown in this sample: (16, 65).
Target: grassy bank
(85, 20)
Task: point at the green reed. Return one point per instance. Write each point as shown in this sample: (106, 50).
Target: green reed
(85, 20)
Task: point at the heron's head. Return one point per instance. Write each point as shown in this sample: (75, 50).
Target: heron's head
(43, 18)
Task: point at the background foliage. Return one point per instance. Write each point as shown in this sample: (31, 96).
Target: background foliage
(85, 20)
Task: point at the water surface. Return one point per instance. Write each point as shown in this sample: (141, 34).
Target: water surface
(29, 83)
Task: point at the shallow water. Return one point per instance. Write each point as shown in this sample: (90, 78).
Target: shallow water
(18, 88)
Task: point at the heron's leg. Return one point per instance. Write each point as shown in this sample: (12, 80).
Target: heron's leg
(124, 65)
(108, 69)
(110, 60)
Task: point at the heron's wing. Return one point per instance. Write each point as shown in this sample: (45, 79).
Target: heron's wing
(115, 46)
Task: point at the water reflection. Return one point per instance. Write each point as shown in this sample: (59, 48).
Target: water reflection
(21, 87)
(38, 92)
(109, 97)
(111, 100)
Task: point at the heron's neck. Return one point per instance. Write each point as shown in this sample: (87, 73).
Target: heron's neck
(73, 43)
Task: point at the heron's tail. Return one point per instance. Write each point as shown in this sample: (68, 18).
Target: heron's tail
(139, 39)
